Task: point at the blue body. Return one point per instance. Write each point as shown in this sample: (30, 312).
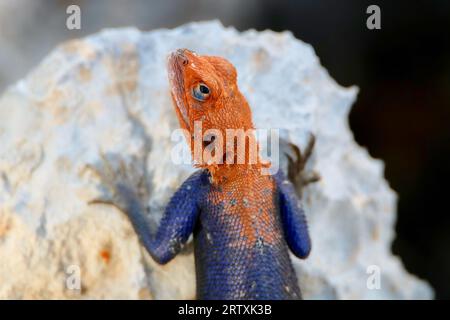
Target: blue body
(228, 264)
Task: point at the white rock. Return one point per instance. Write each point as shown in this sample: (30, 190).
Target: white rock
(109, 94)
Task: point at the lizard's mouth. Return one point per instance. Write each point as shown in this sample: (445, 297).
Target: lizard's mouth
(175, 64)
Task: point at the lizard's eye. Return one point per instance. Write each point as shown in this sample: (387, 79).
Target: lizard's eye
(201, 92)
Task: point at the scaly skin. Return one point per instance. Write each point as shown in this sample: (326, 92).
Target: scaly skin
(243, 221)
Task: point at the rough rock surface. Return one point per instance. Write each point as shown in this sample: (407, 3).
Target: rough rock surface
(108, 94)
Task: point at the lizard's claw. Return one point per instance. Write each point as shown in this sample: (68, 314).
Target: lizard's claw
(117, 177)
(296, 170)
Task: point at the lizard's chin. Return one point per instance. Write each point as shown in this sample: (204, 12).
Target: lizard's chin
(176, 81)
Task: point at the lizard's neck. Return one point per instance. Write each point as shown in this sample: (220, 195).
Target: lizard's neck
(224, 173)
(235, 159)
(229, 173)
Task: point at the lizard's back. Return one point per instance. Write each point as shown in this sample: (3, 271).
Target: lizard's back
(243, 220)
(240, 249)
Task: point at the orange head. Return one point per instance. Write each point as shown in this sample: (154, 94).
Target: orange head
(204, 91)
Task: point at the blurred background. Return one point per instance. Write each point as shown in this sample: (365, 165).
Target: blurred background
(402, 114)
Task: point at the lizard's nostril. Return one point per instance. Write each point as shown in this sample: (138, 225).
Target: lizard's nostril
(182, 56)
(183, 59)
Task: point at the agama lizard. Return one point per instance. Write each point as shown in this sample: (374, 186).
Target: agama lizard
(243, 221)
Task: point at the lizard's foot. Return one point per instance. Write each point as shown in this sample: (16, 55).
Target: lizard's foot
(121, 183)
(296, 169)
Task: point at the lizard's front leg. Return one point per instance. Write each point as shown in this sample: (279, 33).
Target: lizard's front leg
(291, 210)
(178, 219)
(296, 169)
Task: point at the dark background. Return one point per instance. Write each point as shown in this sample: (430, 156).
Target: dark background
(402, 114)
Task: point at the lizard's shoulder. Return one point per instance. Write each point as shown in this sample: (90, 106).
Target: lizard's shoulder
(193, 189)
(279, 178)
(200, 179)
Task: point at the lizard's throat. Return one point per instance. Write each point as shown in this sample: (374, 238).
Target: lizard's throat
(228, 173)
(176, 81)
(227, 162)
